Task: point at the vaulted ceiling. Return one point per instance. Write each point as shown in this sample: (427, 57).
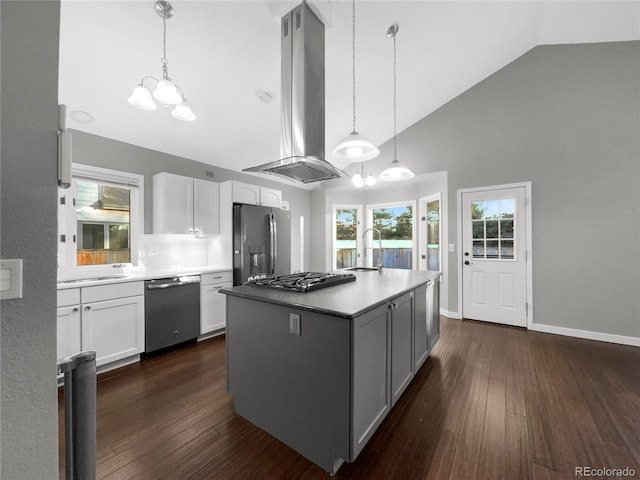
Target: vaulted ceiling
(226, 54)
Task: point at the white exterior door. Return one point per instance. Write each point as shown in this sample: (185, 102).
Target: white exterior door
(494, 255)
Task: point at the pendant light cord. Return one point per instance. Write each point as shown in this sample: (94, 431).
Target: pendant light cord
(395, 142)
(353, 59)
(164, 60)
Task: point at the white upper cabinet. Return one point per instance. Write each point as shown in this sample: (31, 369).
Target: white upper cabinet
(206, 207)
(255, 195)
(185, 205)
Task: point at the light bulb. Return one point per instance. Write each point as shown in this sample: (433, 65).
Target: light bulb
(354, 151)
(370, 180)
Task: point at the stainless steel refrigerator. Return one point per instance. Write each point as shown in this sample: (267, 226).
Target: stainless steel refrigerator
(261, 242)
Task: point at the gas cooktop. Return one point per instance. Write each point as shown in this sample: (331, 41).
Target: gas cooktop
(304, 281)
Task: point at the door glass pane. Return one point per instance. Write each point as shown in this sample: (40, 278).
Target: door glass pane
(477, 210)
(478, 249)
(103, 219)
(492, 249)
(506, 228)
(478, 229)
(492, 209)
(492, 228)
(396, 229)
(346, 237)
(506, 249)
(433, 235)
(507, 208)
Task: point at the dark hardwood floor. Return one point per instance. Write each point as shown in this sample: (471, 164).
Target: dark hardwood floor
(491, 402)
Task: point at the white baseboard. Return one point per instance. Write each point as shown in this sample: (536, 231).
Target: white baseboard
(572, 332)
(449, 314)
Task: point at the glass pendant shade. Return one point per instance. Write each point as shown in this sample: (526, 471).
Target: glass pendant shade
(370, 180)
(167, 93)
(396, 173)
(355, 148)
(357, 180)
(141, 98)
(183, 112)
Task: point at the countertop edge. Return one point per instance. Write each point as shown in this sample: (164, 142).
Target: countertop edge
(328, 311)
(141, 276)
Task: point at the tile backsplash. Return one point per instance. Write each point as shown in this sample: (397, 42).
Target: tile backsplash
(159, 252)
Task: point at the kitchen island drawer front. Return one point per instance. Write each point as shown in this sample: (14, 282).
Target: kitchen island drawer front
(109, 292)
(218, 277)
(68, 296)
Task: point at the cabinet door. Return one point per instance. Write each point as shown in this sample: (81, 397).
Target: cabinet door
(433, 312)
(213, 307)
(246, 193)
(68, 331)
(172, 203)
(420, 340)
(270, 197)
(206, 207)
(401, 344)
(114, 329)
(370, 392)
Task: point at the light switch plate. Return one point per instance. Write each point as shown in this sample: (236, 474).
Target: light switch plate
(10, 279)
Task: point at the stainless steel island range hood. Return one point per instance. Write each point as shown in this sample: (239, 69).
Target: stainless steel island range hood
(302, 109)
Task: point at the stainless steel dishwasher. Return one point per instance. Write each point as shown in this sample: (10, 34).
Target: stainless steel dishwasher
(172, 311)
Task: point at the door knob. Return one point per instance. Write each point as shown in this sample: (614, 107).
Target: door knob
(467, 262)
(466, 254)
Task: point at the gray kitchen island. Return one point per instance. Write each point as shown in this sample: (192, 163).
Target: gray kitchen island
(321, 370)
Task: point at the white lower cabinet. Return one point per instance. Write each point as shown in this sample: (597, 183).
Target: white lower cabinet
(69, 331)
(108, 319)
(213, 308)
(114, 329)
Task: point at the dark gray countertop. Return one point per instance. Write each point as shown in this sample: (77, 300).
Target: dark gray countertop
(348, 300)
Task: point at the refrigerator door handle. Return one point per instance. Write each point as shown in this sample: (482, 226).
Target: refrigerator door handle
(273, 232)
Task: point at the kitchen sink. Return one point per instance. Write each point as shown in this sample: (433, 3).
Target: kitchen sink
(94, 279)
(362, 269)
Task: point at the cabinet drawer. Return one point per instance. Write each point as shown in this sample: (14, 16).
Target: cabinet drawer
(218, 277)
(115, 290)
(68, 296)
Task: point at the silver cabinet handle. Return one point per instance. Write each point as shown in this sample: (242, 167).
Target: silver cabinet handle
(76, 309)
(87, 308)
(176, 332)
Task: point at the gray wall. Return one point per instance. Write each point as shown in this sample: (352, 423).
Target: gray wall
(566, 118)
(103, 152)
(29, 99)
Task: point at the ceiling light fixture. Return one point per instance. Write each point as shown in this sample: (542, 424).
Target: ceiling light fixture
(354, 147)
(360, 181)
(397, 171)
(166, 92)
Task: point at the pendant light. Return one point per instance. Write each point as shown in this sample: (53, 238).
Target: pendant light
(360, 181)
(397, 171)
(166, 92)
(354, 147)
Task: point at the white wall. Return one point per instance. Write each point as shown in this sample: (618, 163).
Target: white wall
(29, 111)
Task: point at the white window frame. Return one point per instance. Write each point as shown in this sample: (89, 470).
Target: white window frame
(359, 210)
(423, 230)
(67, 264)
(371, 240)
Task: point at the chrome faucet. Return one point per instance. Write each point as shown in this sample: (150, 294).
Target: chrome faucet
(379, 246)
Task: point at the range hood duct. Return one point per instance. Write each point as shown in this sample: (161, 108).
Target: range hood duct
(302, 109)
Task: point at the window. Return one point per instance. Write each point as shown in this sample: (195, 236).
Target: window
(430, 235)
(396, 225)
(100, 216)
(347, 231)
(492, 228)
